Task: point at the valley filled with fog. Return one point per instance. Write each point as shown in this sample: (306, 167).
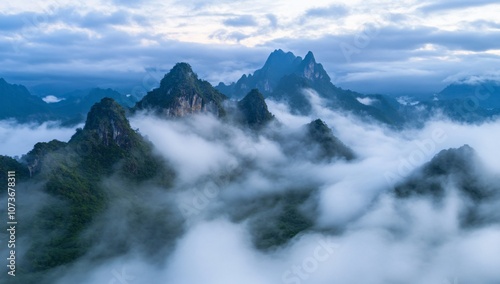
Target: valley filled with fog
(263, 206)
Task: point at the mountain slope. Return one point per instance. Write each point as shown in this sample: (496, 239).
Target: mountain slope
(72, 173)
(455, 172)
(76, 107)
(182, 93)
(286, 77)
(16, 102)
(329, 146)
(254, 109)
(277, 65)
(484, 94)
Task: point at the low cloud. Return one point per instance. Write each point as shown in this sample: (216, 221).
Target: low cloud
(18, 139)
(51, 99)
(232, 183)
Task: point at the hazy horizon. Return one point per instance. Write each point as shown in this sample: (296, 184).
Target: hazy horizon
(410, 47)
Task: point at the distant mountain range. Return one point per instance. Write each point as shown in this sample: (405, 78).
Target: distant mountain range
(16, 102)
(78, 173)
(283, 77)
(484, 94)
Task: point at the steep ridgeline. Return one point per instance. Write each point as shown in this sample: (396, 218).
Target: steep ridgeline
(328, 146)
(469, 102)
(76, 105)
(285, 77)
(17, 102)
(277, 65)
(455, 172)
(182, 93)
(72, 173)
(486, 94)
(254, 110)
(314, 142)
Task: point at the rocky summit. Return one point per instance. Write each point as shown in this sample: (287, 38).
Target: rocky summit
(107, 124)
(182, 93)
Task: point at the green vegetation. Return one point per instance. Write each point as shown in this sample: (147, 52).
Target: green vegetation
(254, 109)
(182, 84)
(72, 174)
(330, 146)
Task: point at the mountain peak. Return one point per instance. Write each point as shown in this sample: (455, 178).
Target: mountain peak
(329, 145)
(182, 93)
(107, 125)
(459, 164)
(310, 57)
(180, 72)
(278, 56)
(278, 65)
(254, 108)
(311, 70)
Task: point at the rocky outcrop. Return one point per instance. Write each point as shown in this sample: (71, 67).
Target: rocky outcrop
(107, 125)
(181, 93)
(36, 157)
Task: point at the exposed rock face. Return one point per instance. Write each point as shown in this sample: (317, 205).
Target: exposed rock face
(311, 70)
(285, 77)
(73, 172)
(106, 123)
(182, 93)
(35, 158)
(278, 65)
(254, 109)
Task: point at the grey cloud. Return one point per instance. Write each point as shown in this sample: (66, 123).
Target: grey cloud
(25, 20)
(13, 22)
(71, 59)
(227, 35)
(333, 11)
(73, 53)
(481, 24)
(273, 20)
(241, 21)
(99, 19)
(387, 63)
(95, 19)
(70, 16)
(453, 5)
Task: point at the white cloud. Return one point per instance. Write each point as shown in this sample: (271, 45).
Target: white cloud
(51, 99)
(18, 139)
(369, 233)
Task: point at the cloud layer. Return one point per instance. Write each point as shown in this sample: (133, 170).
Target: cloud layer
(228, 177)
(368, 46)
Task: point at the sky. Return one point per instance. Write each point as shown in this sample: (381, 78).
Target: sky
(378, 46)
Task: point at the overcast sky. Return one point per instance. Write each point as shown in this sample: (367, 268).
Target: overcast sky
(370, 46)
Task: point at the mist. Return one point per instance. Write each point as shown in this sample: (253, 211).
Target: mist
(232, 184)
(17, 139)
